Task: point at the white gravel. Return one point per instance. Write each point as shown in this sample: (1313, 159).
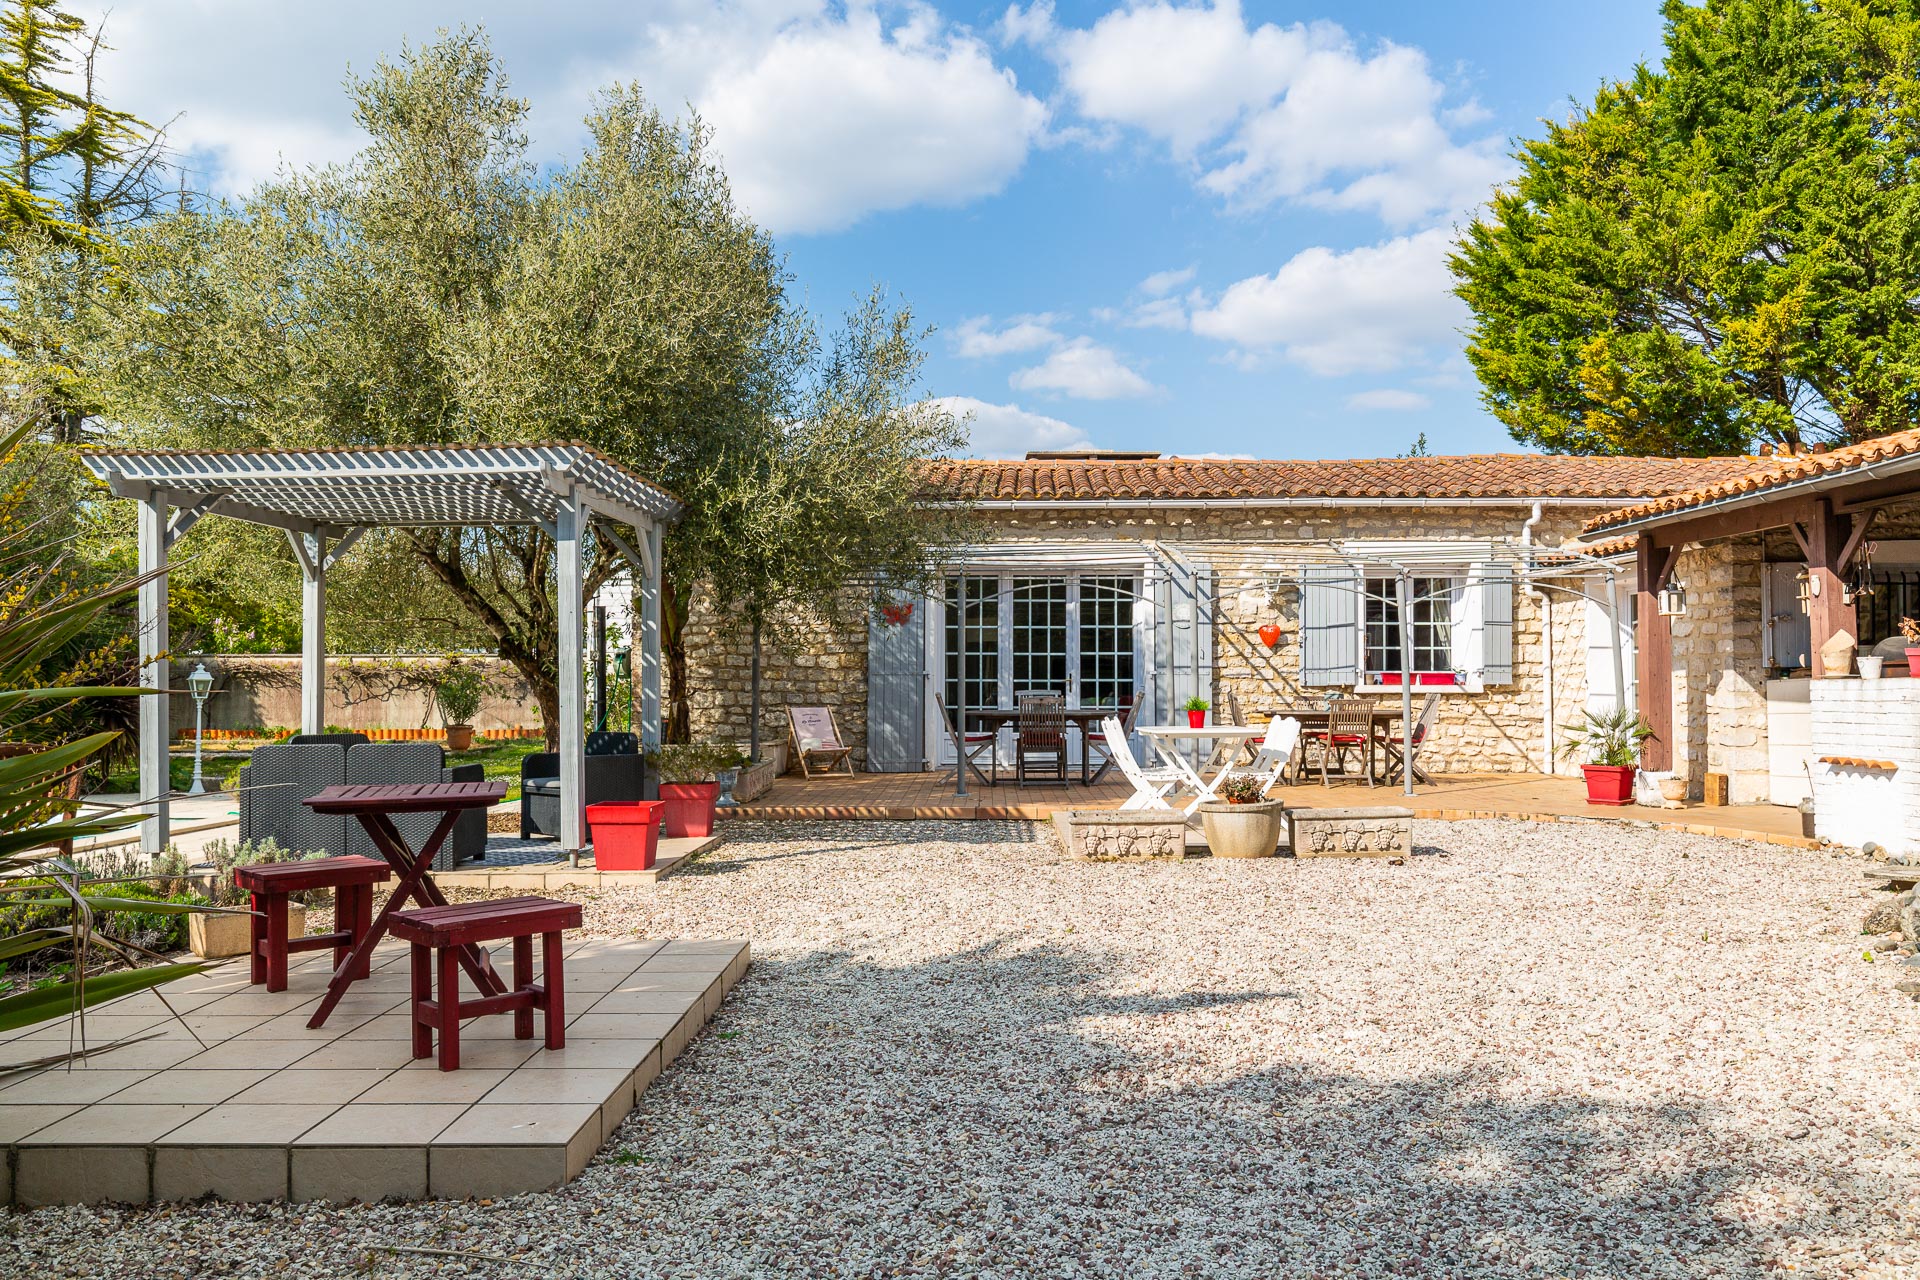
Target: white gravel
(1534, 1051)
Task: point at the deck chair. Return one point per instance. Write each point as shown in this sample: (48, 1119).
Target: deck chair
(976, 742)
(817, 743)
(1109, 748)
(1042, 738)
(1150, 786)
(1422, 725)
(1274, 754)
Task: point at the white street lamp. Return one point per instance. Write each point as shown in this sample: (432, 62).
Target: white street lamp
(199, 684)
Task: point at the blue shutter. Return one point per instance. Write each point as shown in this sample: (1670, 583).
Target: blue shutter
(897, 692)
(1329, 625)
(1494, 583)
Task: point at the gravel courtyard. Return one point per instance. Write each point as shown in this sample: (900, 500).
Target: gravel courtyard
(1533, 1051)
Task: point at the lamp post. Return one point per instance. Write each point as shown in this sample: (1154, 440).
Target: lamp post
(199, 684)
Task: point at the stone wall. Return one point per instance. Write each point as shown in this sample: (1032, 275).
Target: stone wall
(1498, 730)
(1719, 677)
(377, 691)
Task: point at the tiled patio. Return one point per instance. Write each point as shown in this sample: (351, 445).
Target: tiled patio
(245, 1103)
(1450, 796)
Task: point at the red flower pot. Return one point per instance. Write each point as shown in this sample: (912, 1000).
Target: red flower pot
(1609, 783)
(689, 807)
(1913, 662)
(626, 834)
(1196, 719)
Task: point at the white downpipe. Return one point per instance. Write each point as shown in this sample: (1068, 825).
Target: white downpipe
(1548, 745)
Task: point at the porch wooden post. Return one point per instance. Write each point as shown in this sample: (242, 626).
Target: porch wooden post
(1828, 611)
(1653, 651)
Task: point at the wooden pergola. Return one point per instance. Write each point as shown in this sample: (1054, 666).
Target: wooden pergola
(324, 500)
(1826, 500)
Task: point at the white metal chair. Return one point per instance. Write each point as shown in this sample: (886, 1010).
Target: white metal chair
(1274, 754)
(1150, 786)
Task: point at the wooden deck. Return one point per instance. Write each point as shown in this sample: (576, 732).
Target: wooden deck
(927, 796)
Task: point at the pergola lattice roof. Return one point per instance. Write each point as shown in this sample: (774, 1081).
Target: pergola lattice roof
(307, 490)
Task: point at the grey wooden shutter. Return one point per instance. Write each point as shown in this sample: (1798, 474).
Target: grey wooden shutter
(1185, 618)
(1494, 583)
(897, 693)
(1329, 625)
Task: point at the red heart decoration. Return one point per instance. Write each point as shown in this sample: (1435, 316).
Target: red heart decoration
(1270, 635)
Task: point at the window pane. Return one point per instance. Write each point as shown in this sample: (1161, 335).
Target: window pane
(1039, 635)
(983, 642)
(1106, 641)
(1432, 625)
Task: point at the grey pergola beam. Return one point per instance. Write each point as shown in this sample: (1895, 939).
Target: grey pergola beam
(641, 563)
(156, 781)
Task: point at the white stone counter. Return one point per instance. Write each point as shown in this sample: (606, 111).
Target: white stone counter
(1873, 725)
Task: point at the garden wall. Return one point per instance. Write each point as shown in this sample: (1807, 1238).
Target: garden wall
(364, 691)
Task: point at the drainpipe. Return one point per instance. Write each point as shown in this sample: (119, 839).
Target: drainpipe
(1539, 597)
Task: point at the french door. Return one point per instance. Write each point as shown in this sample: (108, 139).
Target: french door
(1066, 633)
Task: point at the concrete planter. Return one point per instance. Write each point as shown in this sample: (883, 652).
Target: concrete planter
(216, 937)
(757, 779)
(1242, 830)
(1110, 835)
(1377, 832)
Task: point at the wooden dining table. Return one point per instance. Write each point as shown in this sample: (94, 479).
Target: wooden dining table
(375, 807)
(1383, 721)
(1085, 721)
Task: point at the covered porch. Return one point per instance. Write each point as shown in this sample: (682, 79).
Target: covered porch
(325, 500)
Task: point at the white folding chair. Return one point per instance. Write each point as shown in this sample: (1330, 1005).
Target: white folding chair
(1150, 786)
(1275, 753)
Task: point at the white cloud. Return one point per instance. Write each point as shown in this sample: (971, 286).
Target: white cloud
(1160, 313)
(1007, 430)
(1270, 113)
(1388, 400)
(1371, 309)
(1085, 370)
(1161, 283)
(976, 339)
(823, 112)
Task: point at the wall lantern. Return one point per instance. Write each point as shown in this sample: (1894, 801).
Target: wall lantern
(1673, 599)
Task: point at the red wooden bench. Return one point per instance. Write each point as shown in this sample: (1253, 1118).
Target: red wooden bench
(271, 884)
(444, 930)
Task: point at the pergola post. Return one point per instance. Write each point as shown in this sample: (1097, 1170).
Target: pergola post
(311, 549)
(570, 583)
(1829, 611)
(650, 711)
(1653, 650)
(155, 719)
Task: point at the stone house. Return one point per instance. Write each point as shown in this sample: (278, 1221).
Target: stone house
(1104, 575)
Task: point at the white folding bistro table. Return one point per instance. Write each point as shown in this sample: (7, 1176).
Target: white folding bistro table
(1167, 738)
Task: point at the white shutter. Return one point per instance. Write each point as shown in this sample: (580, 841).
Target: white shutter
(1329, 626)
(1184, 618)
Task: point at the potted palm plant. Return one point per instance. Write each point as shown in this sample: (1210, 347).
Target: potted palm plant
(1611, 742)
(1242, 823)
(458, 695)
(689, 776)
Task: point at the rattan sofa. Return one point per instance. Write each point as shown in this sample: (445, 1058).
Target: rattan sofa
(280, 776)
(615, 770)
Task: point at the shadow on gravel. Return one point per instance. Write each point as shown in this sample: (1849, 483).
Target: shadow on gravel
(743, 835)
(983, 1113)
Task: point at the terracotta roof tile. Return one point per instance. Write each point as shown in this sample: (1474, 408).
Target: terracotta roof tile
(1494, 475)
(1769, 473)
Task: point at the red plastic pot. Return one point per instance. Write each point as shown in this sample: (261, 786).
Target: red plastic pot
(1196, 719)
(689, 807)
(626, 834)
(1609, 783)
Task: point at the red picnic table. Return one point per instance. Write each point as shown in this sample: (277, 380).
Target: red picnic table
(375, 807)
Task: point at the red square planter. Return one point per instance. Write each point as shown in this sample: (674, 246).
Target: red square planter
(1609, 783)
(626, 834)
(689, 807)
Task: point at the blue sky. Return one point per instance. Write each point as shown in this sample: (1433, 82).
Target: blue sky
(1185, 225)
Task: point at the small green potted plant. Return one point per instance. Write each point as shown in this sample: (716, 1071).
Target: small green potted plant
(689, 775)
(1242, 822)
(458, 693)
(1611, 743)
(1196, 709)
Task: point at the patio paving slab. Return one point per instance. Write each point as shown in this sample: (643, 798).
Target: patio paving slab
(261, 1108)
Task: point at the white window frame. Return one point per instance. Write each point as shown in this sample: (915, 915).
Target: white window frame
(1463, 628)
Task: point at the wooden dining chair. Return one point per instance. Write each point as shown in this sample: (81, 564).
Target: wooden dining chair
(1042, 737)
(971, 745)
(1349, 731)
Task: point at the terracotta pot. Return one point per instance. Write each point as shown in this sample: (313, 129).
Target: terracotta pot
(1196, 719)
(1242, 830)
(1913, 661)
(1609, 783)
(218, 936)
(689, 808)
(626, 834)
(459, 737)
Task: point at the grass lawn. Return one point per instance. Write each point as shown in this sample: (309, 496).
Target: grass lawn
(500, 759)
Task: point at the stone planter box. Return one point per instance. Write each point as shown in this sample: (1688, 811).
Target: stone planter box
(1243, 830)
(1378, 832)
(756, 780)
(1110, 835)
(216, 937)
